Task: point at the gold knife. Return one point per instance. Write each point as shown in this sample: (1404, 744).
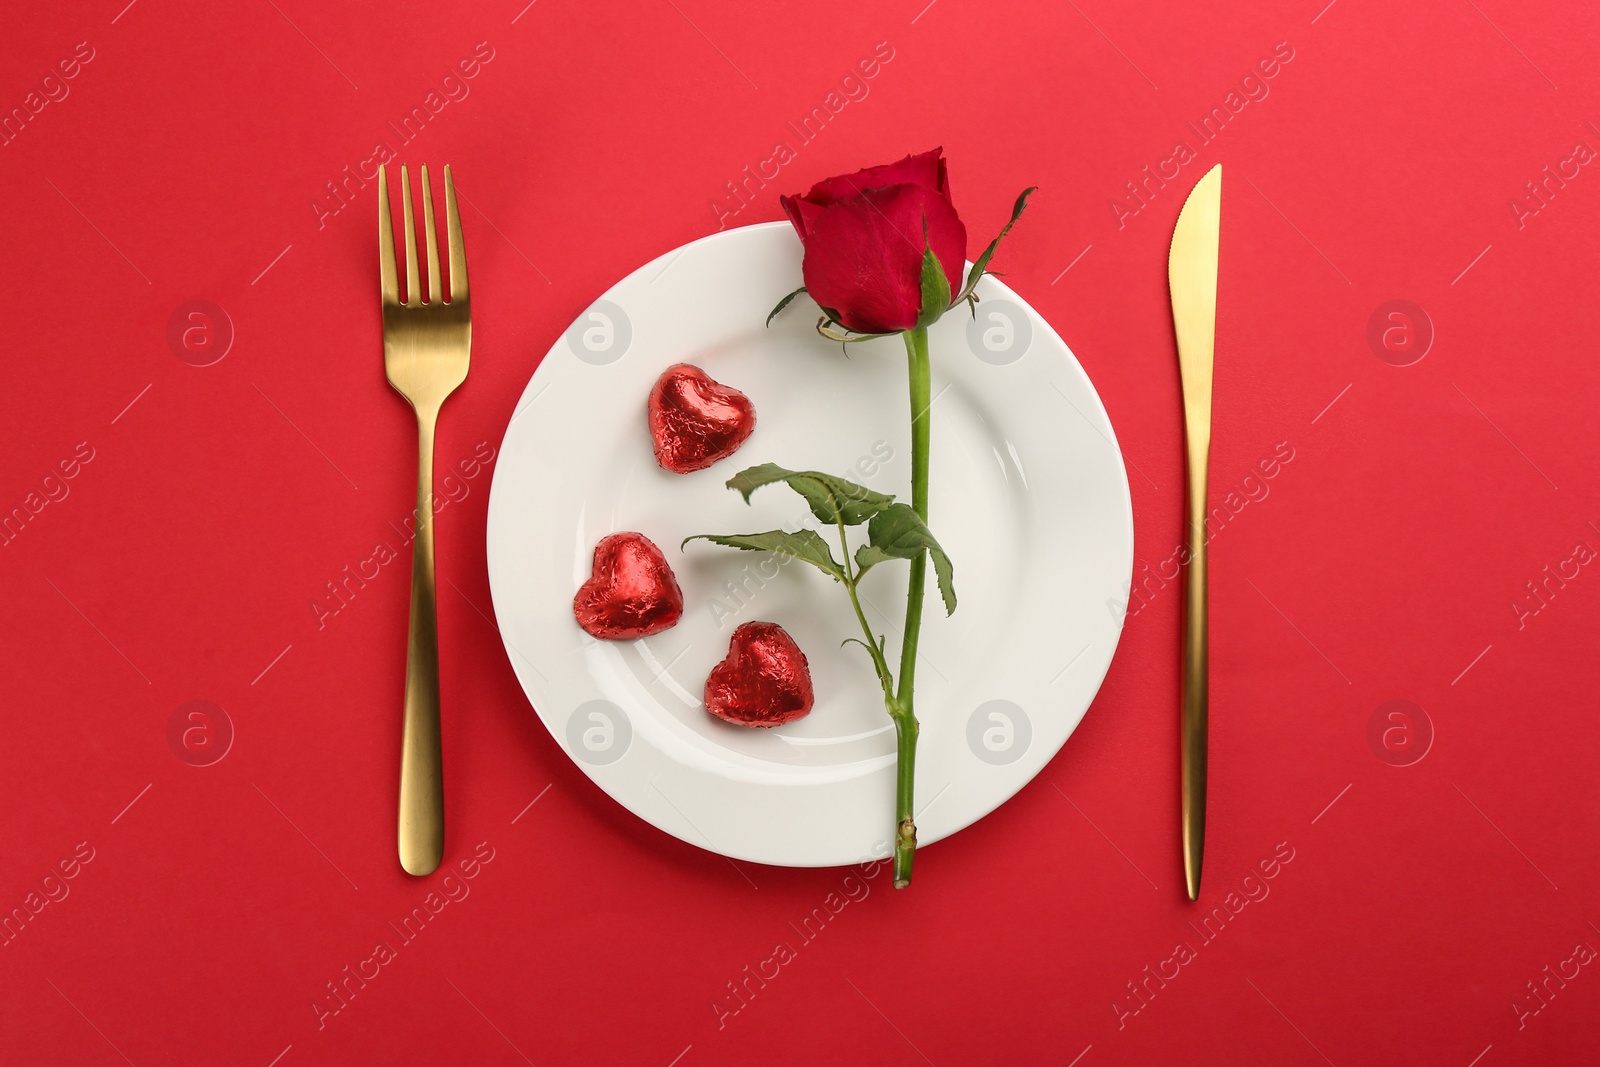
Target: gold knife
(1192, 278)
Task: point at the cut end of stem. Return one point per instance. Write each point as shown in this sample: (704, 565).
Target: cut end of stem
(905, 851)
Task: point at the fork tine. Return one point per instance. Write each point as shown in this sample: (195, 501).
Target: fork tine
(434, 296)
(413, 297)
(389, 286)
(458, 254)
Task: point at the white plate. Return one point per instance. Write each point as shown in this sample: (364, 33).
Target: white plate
(1028, 497)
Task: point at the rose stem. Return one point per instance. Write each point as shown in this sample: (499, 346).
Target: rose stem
(905, 719)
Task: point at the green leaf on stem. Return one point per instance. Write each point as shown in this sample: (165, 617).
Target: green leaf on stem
(988, 253)
(935, 286)
(783, 304)
(804, 545)
(898, 532)
(833, 500)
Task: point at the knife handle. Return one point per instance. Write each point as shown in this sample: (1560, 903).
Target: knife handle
(1196, 682)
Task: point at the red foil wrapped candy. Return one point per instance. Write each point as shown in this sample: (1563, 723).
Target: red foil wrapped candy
(765, 681)
(696, 420)
(631, 591)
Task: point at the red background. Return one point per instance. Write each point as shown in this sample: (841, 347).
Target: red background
(1383, 564)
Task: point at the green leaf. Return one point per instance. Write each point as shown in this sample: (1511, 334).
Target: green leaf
(988, 253)
(784, 303)
(832, 500)
(935, 286)
(804, 545)
(898, 532)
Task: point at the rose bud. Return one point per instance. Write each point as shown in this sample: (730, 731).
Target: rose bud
(863, 235)
(696, 420)
(764, 681)
(631, 591)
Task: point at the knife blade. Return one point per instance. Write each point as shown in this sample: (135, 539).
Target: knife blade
(1192, 280)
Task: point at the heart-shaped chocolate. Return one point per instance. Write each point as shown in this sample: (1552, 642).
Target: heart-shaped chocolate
(765, 680)
(631, 591)
(696, 420)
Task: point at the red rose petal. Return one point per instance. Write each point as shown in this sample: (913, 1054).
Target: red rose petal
(863, 256)
(922, 168)
(802, 213)
(926, 169)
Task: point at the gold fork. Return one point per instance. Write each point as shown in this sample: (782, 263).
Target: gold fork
(426, 347)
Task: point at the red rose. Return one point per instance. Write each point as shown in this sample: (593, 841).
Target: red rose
(864, 240)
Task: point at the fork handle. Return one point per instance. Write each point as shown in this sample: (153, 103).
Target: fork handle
(421, 774)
